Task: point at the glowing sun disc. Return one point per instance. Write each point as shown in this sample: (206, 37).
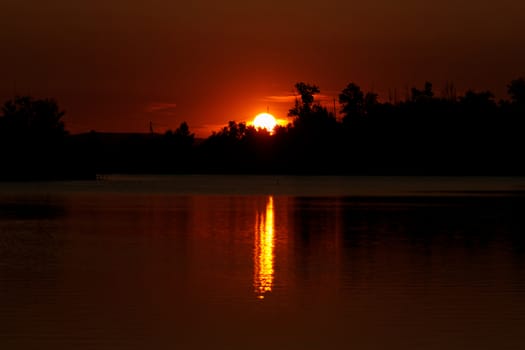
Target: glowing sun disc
(265, 121)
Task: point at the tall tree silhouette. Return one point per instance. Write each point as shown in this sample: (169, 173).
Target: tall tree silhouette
(312, 139)
(307, 92)
(352, 101)
(310, 116)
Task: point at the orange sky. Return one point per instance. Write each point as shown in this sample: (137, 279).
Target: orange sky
(116, 65)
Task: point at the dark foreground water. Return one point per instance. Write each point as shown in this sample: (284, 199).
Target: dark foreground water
(263, 263)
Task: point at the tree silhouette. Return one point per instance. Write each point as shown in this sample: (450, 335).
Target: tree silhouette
(307, 92)
(425, 94)
(32, 138)
(234, 131)
(183, 137)
(478, 100)
(370, 102)
(352, 102)
(25, 116)
(310, 116)
(177, 146)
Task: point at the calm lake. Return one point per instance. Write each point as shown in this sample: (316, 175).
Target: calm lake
(263, 262)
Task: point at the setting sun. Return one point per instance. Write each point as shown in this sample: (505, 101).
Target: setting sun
(265, 121)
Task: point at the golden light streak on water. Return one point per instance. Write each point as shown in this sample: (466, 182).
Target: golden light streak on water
(264, 250)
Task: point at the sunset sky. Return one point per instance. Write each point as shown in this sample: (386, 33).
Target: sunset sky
(116, 65)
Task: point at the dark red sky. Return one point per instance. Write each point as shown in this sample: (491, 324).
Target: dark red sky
(116, 65)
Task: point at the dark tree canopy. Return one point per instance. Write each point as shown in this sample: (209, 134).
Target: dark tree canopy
(184, 131)
(182, 137)
(481, 99)
(310, 116)
(31, 118)
(425, 94)
(307, 92)
(34, 142)
(352, 102)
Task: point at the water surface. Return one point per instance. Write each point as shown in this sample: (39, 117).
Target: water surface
(263, 262)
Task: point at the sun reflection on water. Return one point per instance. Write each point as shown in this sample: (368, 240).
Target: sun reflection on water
(264, 250)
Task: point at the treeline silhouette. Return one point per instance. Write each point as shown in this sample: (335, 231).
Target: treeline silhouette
(424, 134)
(34, 144)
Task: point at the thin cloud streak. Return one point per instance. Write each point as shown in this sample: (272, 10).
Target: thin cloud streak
(162, 107)
(291, 98)
(280, 99)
